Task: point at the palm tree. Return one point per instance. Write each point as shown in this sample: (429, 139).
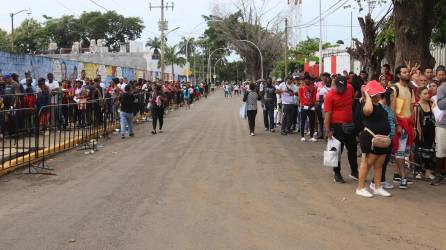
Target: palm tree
(155, 44)
(190, 46)
(171, 57)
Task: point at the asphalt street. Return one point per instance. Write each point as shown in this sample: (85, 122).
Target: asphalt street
(205, 184)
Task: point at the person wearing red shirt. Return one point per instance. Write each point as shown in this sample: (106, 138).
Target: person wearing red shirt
(386, 72)
(338, 123)
(307, 102)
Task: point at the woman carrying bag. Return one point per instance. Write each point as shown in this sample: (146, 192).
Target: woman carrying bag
(251, 97)
(374, 139)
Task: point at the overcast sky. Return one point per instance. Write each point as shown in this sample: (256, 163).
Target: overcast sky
(187, 14)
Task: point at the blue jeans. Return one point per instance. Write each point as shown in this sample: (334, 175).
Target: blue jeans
(126, 119)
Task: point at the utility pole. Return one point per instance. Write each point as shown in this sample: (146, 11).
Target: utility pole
(163, 26)
(351, 39)
(286, 47)
(320, 37)
(12, 31)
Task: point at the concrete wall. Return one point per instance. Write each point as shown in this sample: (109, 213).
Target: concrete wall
(67, 66)
(62, 68)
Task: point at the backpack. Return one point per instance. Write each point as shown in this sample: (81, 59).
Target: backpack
(397, 89)
(186, 93)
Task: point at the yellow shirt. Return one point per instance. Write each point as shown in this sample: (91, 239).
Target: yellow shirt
(404, 101)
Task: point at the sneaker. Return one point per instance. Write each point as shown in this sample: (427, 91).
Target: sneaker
(313, 139)
(251, 134)
(303, 139)
(266, 129)
(338, 178)
(131, 135)
(396, 178)
(381, 192)
(153, 132)
(122, 137)
(364, 193)
(387, 185)
(419, 176)
(354, 176)
(272, 130)
(437, 181)
(372, 186)
(403, 184)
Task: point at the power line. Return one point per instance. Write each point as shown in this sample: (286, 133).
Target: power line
(309, 24)
(100, 6)
(316, 19)
(63, 5)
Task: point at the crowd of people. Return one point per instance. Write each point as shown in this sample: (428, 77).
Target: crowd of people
(399, 117)
(50, 104)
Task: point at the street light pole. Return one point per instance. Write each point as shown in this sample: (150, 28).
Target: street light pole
(215, 65)
(261, 56)
(209, 63)
(12, 25)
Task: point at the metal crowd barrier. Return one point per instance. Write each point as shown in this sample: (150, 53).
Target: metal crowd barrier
(30, 136)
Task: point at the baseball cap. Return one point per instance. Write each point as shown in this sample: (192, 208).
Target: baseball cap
(341, 84)
(6, 76)
(374, 88)
(279, 79)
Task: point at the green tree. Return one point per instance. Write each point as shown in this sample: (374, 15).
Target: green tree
(190, 46)
(232, 71)
(304, 51)
(30, 36)
(154, 43)
(111, 26)
(172, 57)
(5, 41)
(64, 31)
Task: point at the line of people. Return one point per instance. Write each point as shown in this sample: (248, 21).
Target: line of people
(405, 111)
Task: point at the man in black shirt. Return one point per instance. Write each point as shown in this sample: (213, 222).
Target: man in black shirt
(126, 114)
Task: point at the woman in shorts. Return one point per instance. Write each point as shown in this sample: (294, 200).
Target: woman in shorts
(375, 122)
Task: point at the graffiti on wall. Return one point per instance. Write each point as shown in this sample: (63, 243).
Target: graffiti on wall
(66, 69)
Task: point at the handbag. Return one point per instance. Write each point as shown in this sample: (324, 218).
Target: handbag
(379, 141)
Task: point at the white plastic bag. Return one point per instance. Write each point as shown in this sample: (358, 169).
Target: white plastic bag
(244, 111)
(332, 153)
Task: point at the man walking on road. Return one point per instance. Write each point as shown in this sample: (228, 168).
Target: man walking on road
(287, 90)
(268, 101)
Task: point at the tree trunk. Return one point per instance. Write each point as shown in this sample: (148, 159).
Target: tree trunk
(365, 51)
(413, 29)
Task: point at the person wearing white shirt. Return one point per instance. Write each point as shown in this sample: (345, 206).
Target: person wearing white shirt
(33, 83)
(278, 110)
(287, 90)
(52, 85)
(124, 83)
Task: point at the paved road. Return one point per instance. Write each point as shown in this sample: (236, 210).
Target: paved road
(205, 184)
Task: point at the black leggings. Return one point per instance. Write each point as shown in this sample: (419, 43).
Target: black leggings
(304, 113)
(157, 113)
(252, 120)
